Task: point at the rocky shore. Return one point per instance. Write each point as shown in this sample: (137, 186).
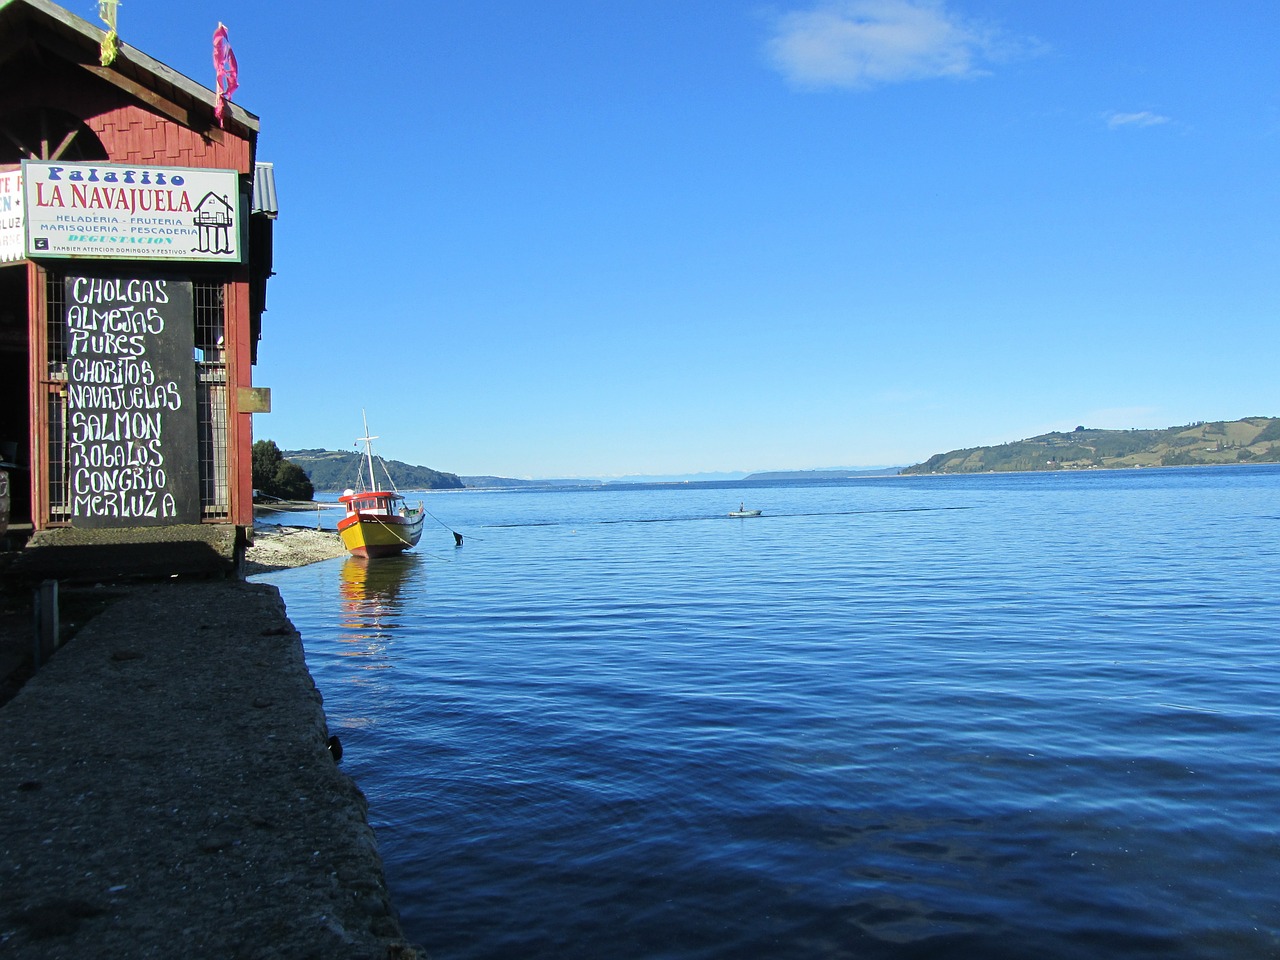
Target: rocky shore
(167, 788)
(278, 547)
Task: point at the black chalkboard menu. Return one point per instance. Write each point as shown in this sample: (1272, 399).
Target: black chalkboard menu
(131, 402)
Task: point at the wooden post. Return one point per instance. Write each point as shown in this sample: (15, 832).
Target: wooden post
(41, 387)
(4, 506)
(46, 626)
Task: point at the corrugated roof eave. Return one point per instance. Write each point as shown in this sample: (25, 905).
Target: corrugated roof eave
(264, 189)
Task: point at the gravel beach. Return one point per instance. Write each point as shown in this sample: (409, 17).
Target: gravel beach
(278, 547)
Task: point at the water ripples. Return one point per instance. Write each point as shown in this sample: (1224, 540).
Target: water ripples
(995, 717)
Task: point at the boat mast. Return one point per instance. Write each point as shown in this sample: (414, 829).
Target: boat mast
(368, 450)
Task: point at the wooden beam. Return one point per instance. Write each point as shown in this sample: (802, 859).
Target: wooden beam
(66, 142)
(133, 88)
(151, 98)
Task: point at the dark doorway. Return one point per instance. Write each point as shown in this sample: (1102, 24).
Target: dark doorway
(15, 391)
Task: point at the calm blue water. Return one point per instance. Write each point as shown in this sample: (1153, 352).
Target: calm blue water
(1032, 716)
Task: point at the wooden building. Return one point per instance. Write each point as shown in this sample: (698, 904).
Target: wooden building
(135, 247)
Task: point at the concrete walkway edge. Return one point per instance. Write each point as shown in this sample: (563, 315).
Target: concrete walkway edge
(166, 790)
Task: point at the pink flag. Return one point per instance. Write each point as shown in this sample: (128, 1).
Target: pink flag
(228, 74)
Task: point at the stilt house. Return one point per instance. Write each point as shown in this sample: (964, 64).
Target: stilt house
(135, 247)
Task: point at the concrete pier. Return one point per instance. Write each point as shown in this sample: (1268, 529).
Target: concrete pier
(166, 790)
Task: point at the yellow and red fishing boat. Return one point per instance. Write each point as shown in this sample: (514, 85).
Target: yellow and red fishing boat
(378, 523)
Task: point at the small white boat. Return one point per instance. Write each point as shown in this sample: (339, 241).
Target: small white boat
(742, 511)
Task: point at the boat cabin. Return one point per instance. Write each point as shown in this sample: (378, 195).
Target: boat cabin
(376, 503)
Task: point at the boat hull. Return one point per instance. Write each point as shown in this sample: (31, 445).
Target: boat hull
(380, 536)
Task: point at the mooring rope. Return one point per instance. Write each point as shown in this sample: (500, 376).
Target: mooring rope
(396, 533)
(456, 535)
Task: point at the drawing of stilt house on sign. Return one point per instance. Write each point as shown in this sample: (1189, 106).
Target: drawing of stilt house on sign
(135, 247)
(214, 220)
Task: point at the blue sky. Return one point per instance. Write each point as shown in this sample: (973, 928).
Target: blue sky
(576, 238)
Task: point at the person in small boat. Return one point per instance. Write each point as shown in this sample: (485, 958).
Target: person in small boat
(742, 507)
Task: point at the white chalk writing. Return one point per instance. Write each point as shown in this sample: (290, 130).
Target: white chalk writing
(117, 400)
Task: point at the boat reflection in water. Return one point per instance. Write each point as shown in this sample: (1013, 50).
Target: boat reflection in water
(372, 604)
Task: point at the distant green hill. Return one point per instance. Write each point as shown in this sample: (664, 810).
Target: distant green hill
(331, 470)
(1252, 440)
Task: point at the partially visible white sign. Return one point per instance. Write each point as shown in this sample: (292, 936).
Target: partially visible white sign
(10, 215)
(111, 211)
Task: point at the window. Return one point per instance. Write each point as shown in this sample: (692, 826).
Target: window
(211, 398)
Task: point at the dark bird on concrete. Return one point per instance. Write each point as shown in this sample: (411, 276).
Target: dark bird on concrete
(335, 749)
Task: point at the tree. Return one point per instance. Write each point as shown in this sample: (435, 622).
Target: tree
(275, 476)
(266, 458)
(291, 483)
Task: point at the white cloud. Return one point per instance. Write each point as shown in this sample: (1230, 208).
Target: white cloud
(866, 43)
(1143, 119)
